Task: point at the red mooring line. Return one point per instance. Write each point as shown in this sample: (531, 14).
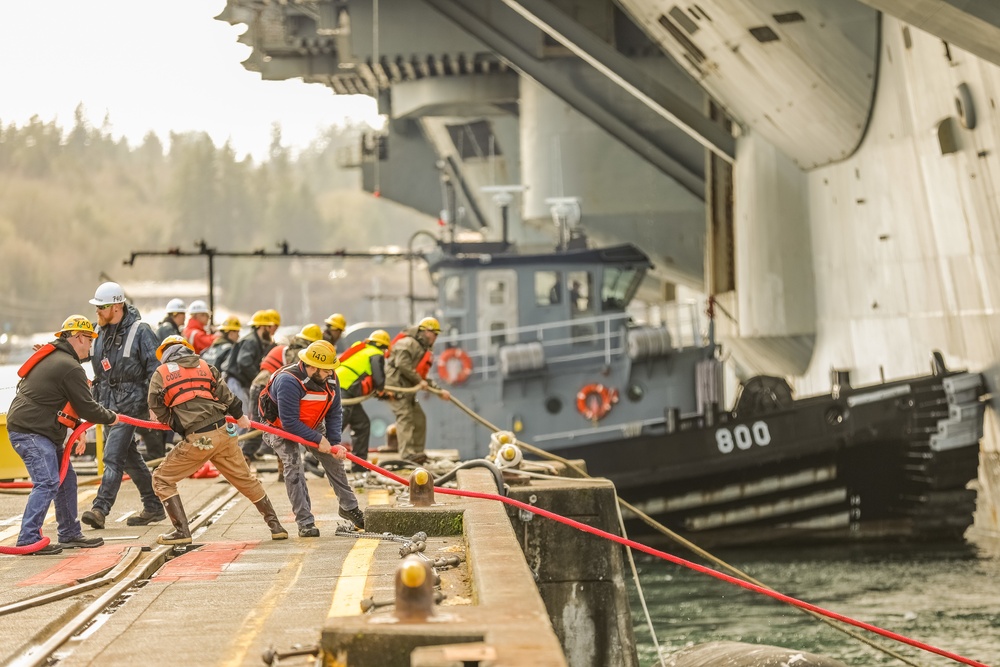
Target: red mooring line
(555, 517)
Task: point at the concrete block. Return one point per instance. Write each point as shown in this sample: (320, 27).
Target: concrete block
(442, 521)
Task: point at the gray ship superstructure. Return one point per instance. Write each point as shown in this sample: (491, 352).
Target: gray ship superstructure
(826, 172)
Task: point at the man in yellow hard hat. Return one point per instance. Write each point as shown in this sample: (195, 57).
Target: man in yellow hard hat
(304, 400)
(189, 396)
(335, 325)
(409, 362)
(229, 333)
(362, 372)
(52, 397)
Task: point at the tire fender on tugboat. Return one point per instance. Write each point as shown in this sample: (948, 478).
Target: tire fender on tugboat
(464, 366)
(594, 401)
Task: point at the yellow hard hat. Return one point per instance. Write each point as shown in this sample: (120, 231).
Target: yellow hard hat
(231, 324)
(78, 323)
(320, 354)
(336, 321)
(259, 319)
(273, 316)
(379, 337)
(170, 341)
(429, 324)
(311, 333)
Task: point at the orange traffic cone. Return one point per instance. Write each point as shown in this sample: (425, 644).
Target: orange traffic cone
(206, 471)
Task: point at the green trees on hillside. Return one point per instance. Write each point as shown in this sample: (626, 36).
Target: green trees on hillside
(74, 203)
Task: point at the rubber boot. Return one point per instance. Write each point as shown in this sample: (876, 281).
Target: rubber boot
(181, 534)
(271, 519)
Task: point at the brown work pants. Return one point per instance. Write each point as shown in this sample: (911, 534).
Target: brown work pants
(411, 425)
(186, 458)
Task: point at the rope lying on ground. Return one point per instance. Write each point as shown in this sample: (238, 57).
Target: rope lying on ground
(574, 524)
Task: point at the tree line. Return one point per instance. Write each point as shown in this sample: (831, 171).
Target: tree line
(74, 203)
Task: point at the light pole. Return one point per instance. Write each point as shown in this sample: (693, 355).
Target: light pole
(410, 255)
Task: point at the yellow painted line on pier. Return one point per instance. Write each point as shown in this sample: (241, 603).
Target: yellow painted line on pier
(254, 621)
(350, 589)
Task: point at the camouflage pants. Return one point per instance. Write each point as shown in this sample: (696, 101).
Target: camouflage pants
(411, 425)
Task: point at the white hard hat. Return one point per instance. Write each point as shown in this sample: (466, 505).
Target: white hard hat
(198, 306)
(176, 306)
(107, 294)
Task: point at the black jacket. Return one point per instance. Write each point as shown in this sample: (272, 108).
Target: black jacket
(55, 380)
(123, 359)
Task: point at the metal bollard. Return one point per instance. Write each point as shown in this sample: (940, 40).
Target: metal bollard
(421, 488)
(414, 590)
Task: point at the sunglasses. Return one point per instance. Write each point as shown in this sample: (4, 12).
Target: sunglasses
(105, 307)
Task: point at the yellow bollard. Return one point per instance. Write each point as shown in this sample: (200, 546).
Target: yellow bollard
(99, 434)
(414, 590)
(421, 488)
(11, 465)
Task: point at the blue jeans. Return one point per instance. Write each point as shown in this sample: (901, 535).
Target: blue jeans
(290, 454)
(42, 457)
(121, 455)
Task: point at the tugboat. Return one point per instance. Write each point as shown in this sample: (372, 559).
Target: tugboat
(543, 345)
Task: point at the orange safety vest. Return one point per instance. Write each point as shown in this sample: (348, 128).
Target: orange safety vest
(426, 362)
(313, 406)
(67, 416)
(181, 384)
(274, 359)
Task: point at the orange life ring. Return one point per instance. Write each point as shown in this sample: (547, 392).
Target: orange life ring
(594, 401)
(464, 365)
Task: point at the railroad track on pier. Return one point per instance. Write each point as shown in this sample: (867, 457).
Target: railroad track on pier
(136, 565)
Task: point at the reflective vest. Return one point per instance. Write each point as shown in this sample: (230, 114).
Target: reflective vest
(181, 384)
(355, 364)
(67, 416)
(312, 407)
(274, 359)
(425, 363)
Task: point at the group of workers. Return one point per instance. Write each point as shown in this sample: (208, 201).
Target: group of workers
(191, 380)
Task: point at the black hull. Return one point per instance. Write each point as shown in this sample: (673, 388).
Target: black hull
(875, 463)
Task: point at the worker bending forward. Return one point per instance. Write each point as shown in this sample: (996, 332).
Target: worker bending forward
(188, 395)
(302, 399)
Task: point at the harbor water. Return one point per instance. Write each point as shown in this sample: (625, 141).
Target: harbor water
(948, 597)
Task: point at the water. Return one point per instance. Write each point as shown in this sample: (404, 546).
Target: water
(946, 597)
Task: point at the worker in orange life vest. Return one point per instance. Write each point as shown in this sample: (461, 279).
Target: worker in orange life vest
(52, 396)
(189, 395)
(199, 317)
(410, 359)
(304, 400)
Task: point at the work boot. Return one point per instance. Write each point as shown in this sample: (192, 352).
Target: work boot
(181, 534)
(93, 518)
(81, 542)
(355, 516)
(271, 519)
(309, 531)
(145, 517)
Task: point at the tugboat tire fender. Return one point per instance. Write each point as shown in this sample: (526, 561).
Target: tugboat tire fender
(464, 365)
(595, 409)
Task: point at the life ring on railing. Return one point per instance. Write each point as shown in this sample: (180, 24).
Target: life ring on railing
(594, 401)
(464, 365)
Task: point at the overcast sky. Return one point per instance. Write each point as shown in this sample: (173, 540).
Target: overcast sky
(153, 65)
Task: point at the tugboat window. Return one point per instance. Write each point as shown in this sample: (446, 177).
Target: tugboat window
(454, 292)
(578, 288)
(548, 290)
(498, 292)
(618, 287)
(498, 333)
